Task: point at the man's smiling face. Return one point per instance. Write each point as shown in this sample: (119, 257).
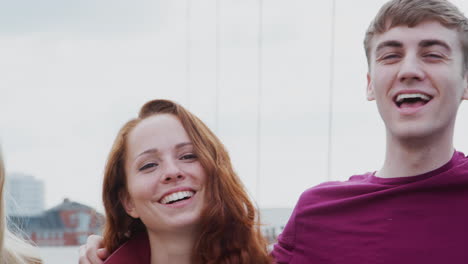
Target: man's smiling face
(417, 79)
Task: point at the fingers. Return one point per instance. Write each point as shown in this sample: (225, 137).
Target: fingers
(103, 253)
(89, 253)
(82, 253)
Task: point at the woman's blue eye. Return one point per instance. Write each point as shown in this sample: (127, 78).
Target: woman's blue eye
(147, 166)
(188, 157)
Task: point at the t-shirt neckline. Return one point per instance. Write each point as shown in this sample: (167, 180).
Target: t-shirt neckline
(402, 180)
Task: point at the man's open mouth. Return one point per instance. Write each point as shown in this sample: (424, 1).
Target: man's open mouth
(409, 100)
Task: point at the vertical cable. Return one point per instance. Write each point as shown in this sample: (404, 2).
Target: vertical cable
(217, 72)
(259, 96)
(188, 43)
(330, 96)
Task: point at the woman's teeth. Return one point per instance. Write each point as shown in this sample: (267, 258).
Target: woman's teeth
(177, 196)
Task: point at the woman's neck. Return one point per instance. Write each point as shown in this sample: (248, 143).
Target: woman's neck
(171, 247)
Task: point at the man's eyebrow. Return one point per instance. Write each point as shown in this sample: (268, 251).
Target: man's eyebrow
(389, 43)
(434, 42)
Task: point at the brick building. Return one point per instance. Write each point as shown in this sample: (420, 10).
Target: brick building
(67, 224)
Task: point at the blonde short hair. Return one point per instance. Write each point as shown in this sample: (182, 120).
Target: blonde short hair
(412, 12)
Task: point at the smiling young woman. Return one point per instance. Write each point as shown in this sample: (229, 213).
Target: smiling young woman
(171, 193)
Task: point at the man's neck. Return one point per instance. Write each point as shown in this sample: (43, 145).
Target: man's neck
(415, 156)
(171, 247)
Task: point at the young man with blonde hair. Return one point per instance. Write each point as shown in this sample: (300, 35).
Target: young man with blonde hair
(415, 208)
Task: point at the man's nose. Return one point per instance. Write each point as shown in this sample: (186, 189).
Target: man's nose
(411, 69)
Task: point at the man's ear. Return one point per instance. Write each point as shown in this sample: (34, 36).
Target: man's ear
(128, 204)
(370, 88)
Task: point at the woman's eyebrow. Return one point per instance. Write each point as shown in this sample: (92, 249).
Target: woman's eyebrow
(183, 144)
(155, 150)
(149, 151)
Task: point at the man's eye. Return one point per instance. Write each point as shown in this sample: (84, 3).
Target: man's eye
(433, 56)
(390, 56)
(188, 157)
(148, 166)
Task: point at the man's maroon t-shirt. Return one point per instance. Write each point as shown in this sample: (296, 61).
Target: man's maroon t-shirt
(420, 219)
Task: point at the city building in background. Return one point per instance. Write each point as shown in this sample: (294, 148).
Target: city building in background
(24, 195)
(67, 224)
(273, 222)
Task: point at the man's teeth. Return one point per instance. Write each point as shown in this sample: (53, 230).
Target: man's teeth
(173, 197)
(402, 97)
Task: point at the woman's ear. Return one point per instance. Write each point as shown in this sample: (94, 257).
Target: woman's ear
(128, 204)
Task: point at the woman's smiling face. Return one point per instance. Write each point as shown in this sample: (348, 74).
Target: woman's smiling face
(165, 180)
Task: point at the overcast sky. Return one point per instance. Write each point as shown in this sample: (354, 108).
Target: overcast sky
(72, 72)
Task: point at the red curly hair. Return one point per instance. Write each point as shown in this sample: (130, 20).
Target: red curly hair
(230, 231)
